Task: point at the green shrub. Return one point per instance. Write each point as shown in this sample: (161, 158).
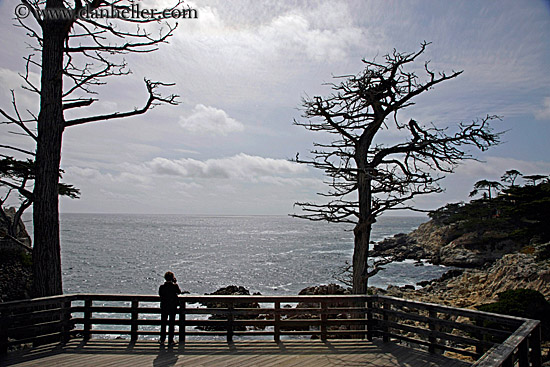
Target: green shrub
(526, 303)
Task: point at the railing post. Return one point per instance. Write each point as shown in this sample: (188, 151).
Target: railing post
(4, 321)
(134, 326)
(509, 362)
(385, 319)
(370, 320)
(534, 344)
(277, 321)
(324, 318)
(479, 348)
(523, 353)
(183, 310)
(432, 314)
(65, 320)
(87, 318)
(230, 319)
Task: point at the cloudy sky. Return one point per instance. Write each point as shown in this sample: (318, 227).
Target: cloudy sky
(243, 67)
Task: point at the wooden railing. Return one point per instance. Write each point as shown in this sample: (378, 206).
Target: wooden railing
(489, 339)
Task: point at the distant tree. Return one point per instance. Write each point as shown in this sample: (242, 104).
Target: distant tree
(486, 185)
(532, 179)
(16, 176)
(523, 213)
(366, 176)
(444, 214)
(510, 176)
(76, 54)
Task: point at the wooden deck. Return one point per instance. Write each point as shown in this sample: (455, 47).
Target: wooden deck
(300, 353)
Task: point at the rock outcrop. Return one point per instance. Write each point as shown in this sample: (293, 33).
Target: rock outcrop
(21, 238)
(231, 290)
(447, 245)
(472, 287)
(15, 262)
(400, 247)
(325, 289)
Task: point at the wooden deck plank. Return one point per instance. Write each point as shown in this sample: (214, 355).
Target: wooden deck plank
(302, 353)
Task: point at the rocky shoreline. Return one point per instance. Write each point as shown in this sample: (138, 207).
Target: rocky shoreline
(472, 287)
(467, 288)
(489, 263)
(447, 245)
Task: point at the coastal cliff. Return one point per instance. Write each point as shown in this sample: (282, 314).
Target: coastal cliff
(478, 233)
(15, 261)
(447, 244)
(472, 287)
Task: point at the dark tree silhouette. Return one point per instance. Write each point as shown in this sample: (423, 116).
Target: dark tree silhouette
(532, 179)
(511, 176)
(488, 186)
(17, 176)
(75, 54)
(368, 177)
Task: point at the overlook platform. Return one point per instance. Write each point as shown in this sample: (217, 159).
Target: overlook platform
(355, 330)
(95, 352)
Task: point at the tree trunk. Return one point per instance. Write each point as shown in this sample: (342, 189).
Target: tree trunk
(360, 257)
(47, 252)
(363, 228)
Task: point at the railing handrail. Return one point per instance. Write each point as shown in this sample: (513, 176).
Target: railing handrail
(449, 309)
(374, 318)
(211, 297)
(501, 354)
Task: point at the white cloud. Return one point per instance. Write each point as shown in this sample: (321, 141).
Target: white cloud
(230, 185)
(293, 34)
(301, 34)
(186, 151)
(241, 166)
(210, 120)
(85, 173)
(544, 112)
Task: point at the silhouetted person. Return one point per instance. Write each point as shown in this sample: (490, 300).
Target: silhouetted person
(169, 303)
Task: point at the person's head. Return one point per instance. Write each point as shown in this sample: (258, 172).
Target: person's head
(169, 276)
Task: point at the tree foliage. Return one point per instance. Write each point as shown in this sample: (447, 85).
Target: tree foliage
(16, 177)
(519, 212)
(532, 179)
(368, 176)
(511, 176)
(488, 186)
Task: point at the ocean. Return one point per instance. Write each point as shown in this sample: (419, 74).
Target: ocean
(273, 255)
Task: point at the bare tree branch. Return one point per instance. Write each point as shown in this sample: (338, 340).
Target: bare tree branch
(17, 149)
(154, 99)
(18, 121)
(78, 104)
